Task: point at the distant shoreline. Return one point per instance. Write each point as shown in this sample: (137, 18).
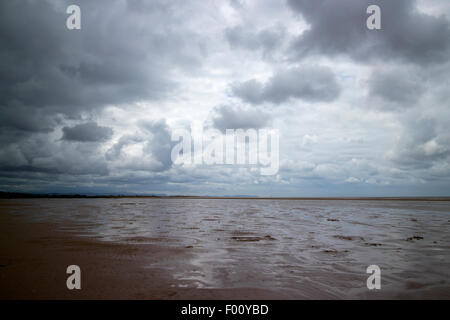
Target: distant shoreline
(12, 195)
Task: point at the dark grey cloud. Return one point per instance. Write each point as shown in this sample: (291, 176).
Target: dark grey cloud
(87, 132)
(245, 37)
(237, 117)
(120, 56)
(309, 83)
(19, 118)
(339, 28)
(401, 87)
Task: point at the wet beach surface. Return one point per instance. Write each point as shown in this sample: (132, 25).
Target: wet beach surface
(222, 248)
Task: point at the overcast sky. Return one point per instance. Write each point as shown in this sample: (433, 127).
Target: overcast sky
(359, 112)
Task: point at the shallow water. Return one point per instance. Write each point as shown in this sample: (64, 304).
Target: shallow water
(310, 248)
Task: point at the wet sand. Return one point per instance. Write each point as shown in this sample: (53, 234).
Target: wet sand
(34, 258)
(223, 249)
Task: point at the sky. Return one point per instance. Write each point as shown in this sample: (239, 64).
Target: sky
(359, 112)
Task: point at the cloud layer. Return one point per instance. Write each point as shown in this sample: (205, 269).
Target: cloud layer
(360, 112)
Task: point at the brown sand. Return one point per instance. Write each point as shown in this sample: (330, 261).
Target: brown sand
(34, 258)
(179, 249)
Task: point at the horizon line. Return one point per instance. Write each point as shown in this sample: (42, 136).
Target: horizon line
(24, 195)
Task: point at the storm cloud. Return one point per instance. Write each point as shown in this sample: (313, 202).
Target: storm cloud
(309, 83)
(231, 117)
(125, 53)
(46, 69)
(87, 132)
(339, 28)
(402, 87)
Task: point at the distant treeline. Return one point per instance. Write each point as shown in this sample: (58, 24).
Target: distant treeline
(15, 195)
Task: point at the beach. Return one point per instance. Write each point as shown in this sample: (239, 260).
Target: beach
(144, 248)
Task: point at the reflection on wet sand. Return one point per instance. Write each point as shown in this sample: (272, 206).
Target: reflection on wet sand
(291, 248)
